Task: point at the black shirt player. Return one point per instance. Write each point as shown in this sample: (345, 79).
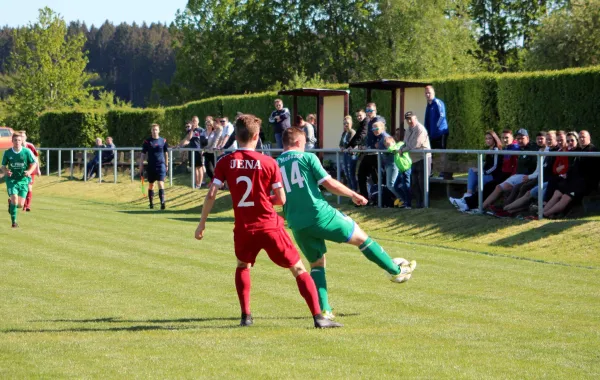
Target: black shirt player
(155, 150)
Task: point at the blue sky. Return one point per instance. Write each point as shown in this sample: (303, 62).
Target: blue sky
(21, 12)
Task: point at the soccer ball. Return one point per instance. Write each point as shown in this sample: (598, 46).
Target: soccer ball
(399, 279)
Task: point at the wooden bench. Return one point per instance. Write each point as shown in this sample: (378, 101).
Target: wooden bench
(122, 163)
(462, 181)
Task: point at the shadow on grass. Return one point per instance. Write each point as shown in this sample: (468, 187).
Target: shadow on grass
(539, 233)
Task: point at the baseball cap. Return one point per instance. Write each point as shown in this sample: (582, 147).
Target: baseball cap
(408, 115)
(522, 132)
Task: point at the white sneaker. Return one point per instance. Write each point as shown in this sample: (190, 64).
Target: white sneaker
(462, 205)
(454, 201)
(466, 195)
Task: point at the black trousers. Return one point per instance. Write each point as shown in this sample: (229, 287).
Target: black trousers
(367, 168)
(417, 181)
(209, 164)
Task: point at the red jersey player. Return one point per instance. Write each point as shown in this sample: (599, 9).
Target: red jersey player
(251, 177)
(31, 147)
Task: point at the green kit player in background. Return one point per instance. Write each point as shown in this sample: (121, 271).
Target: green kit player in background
(18, 163)
(313, 220)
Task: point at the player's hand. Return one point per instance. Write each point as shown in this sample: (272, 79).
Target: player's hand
(27, 174)
(525, 178)
(200, 231)
(9, 173)
(359, 199)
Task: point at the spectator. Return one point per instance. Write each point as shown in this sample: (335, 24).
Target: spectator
(368, 165)
(403, 163)
(312, 120)
(568, 142)
(525, 166)
(309, 130)
(551, 140)
(213, 132)
(350, 158)
(416, 139)
(389, 165)
(227, 132)
(280, 119)
(555, 168)
(582, 179)
(92, 166)
(437, 127)
(109, 155)
(491, 170)
(196, 139)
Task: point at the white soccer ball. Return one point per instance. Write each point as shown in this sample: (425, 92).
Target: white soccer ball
(399, 279)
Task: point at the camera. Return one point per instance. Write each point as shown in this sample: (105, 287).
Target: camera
(188, 127)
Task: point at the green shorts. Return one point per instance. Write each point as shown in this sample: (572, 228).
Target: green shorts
(19, 188)
(311, 240)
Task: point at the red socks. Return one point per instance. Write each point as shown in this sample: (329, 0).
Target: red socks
(28, 200)
(242, 285)
(308, 290)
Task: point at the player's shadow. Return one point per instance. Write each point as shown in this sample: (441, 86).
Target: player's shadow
(115, 329)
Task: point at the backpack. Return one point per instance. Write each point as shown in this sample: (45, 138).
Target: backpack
(387, 197)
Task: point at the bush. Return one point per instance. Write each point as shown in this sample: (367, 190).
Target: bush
(72, 128)
(129, 127)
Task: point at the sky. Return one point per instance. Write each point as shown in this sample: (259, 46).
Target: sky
(20, 12)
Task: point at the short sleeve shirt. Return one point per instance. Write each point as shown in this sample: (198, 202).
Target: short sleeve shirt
(302, 173)
(155, 149)
(251, 176)
(198, 134)
(18, 162)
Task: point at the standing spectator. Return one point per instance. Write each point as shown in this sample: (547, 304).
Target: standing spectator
(492, 169)
(361, 130)
(309, 130)
(92, 166)
(389, 165)
(416, 139)
(213, 132)
(280, 119)
(437, 127)
(195, 138)
(525, 166)
(312, 120)
(350, 158)
(368, 165)
(227, 132)
(37, 171)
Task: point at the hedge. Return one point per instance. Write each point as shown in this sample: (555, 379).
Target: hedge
(536, 101)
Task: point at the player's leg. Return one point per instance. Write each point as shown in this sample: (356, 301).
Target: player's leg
(161, 193)
(151, 181)
(242, 286)
(314, 249)
(13, 207)
(27, 205)
(282, 252)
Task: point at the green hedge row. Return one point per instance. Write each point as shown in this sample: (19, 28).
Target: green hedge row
(536, 101)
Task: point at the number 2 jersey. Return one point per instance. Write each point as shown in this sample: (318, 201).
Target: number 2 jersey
(251, 176)
(302, 173)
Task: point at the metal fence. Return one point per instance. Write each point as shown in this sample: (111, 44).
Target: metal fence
(479, 153)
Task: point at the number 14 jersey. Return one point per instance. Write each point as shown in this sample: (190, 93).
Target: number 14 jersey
(250, 176)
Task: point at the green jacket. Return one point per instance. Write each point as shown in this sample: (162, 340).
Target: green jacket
(402, 161)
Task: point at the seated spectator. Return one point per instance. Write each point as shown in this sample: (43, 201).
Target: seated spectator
(389, 166)
(552, 141)
(525, 166)
(108, 156)
(582, 179)
(350, 158)
(404, 164)
(309, 131)
(555, 168)
(93, 166)
(531, 181)
(416, 139)
(491, 170)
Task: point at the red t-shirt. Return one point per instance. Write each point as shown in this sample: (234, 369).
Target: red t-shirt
(251, 176)
(31, 147)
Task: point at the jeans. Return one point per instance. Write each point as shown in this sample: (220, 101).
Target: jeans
(367, 168)
(402, 186)
(278, 140)
(472, 180)
(350, 161)
(534, 192)
(391, 174)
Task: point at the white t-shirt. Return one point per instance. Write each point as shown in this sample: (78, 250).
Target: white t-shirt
(227, 129)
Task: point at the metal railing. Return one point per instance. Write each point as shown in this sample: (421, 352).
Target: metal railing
(479, 153)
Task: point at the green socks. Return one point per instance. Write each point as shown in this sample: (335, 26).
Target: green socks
(374, 252)
(318, 276)
(13, 212)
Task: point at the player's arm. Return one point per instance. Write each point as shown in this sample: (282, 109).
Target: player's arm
(209, 202)
(32, 165)
(278, 197)
(336, 187)
(166, 151)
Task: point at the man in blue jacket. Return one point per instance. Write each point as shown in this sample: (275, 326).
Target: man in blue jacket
(280, 119)
(437, 126)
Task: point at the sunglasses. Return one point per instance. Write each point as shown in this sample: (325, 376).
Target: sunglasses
(571, 141)
(370, 110)
(222, 121)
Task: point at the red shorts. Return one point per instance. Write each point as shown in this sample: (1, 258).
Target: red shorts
(277, 243)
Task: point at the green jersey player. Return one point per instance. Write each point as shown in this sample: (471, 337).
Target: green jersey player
(18, 163)
(313, 220)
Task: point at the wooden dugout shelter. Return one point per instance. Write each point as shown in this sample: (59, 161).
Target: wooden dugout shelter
(406, 96)
(332, 106)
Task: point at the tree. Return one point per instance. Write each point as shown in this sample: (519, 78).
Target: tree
(48, 69)
(569, 37)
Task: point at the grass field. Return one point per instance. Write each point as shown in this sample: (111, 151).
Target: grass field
(94, 285)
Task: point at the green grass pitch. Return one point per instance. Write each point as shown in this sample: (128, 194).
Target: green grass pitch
(94, 285)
